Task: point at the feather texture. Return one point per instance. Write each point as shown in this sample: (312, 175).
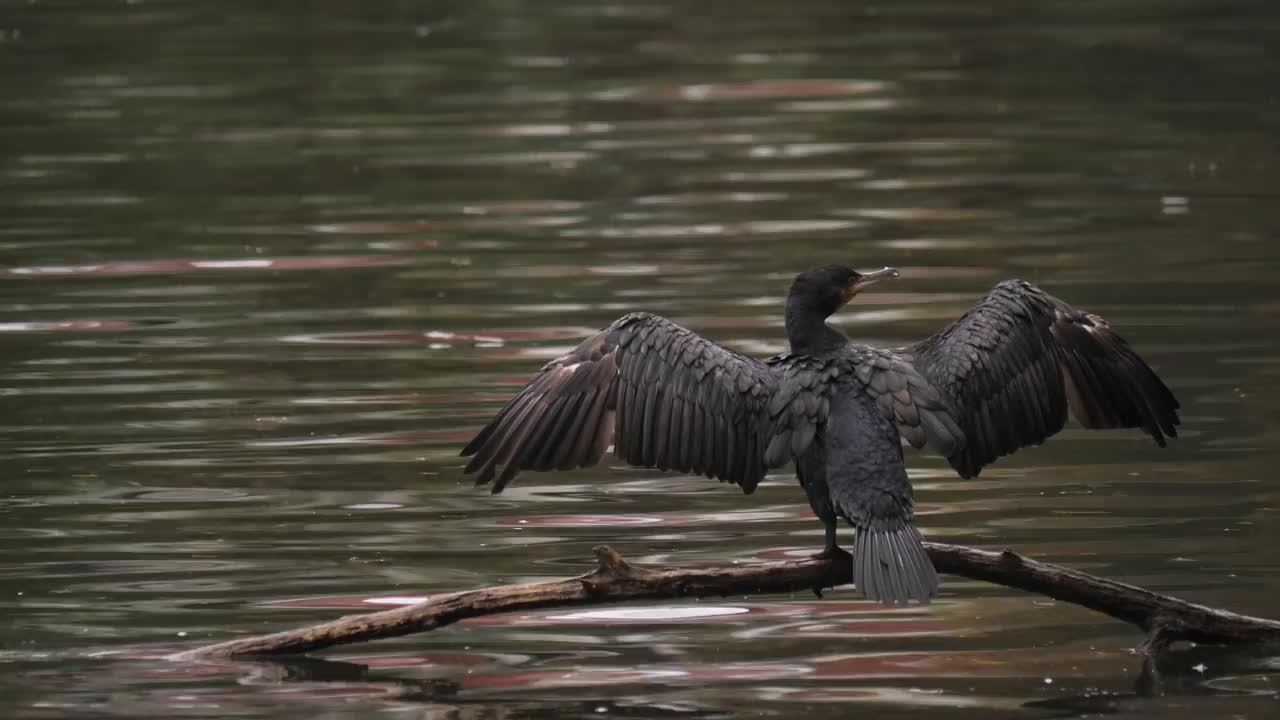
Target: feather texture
(1013, 366)
(667, 398)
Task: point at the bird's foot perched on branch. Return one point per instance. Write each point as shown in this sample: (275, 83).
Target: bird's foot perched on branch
(838, 558)
(832, 553)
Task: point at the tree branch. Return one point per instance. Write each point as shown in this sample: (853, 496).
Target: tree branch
(1165, 619)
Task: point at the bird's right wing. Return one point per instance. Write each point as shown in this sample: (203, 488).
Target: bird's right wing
(667, 397)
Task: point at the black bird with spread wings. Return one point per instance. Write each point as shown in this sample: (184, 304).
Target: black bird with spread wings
(1002, 377)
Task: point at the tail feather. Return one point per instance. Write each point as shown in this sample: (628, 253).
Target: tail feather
(890, 565)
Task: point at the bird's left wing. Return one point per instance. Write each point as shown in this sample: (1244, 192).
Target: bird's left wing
(1014, 364)
(667, 398)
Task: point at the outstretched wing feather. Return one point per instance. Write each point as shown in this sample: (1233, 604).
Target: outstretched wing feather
(1014, 364)
(667, 397)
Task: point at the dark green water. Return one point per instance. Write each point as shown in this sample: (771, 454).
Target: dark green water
(264, 267)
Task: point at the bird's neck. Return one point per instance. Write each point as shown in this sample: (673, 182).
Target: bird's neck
(809, 333)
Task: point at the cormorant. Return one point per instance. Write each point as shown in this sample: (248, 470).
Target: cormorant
(1000, 378)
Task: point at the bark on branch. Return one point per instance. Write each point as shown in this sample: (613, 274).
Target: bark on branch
(1165, 619)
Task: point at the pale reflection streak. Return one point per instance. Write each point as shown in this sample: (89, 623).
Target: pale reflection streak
(761, 227)
(755, 515)
(750, 90)
(186, 266)
(64, 325)
(889, 695)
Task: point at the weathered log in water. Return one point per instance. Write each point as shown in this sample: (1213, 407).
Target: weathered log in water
(1163, 618)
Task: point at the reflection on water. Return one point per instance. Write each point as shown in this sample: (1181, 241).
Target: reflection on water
(263, 272)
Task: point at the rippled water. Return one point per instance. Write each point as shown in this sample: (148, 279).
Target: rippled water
(263, 271)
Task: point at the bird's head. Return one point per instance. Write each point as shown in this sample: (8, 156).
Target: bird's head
(828, 288)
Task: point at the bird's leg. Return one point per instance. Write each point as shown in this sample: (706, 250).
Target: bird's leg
(830, 550)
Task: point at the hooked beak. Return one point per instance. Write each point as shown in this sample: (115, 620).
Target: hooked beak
(866, 280)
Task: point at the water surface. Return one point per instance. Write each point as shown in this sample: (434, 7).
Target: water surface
(263, 271)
